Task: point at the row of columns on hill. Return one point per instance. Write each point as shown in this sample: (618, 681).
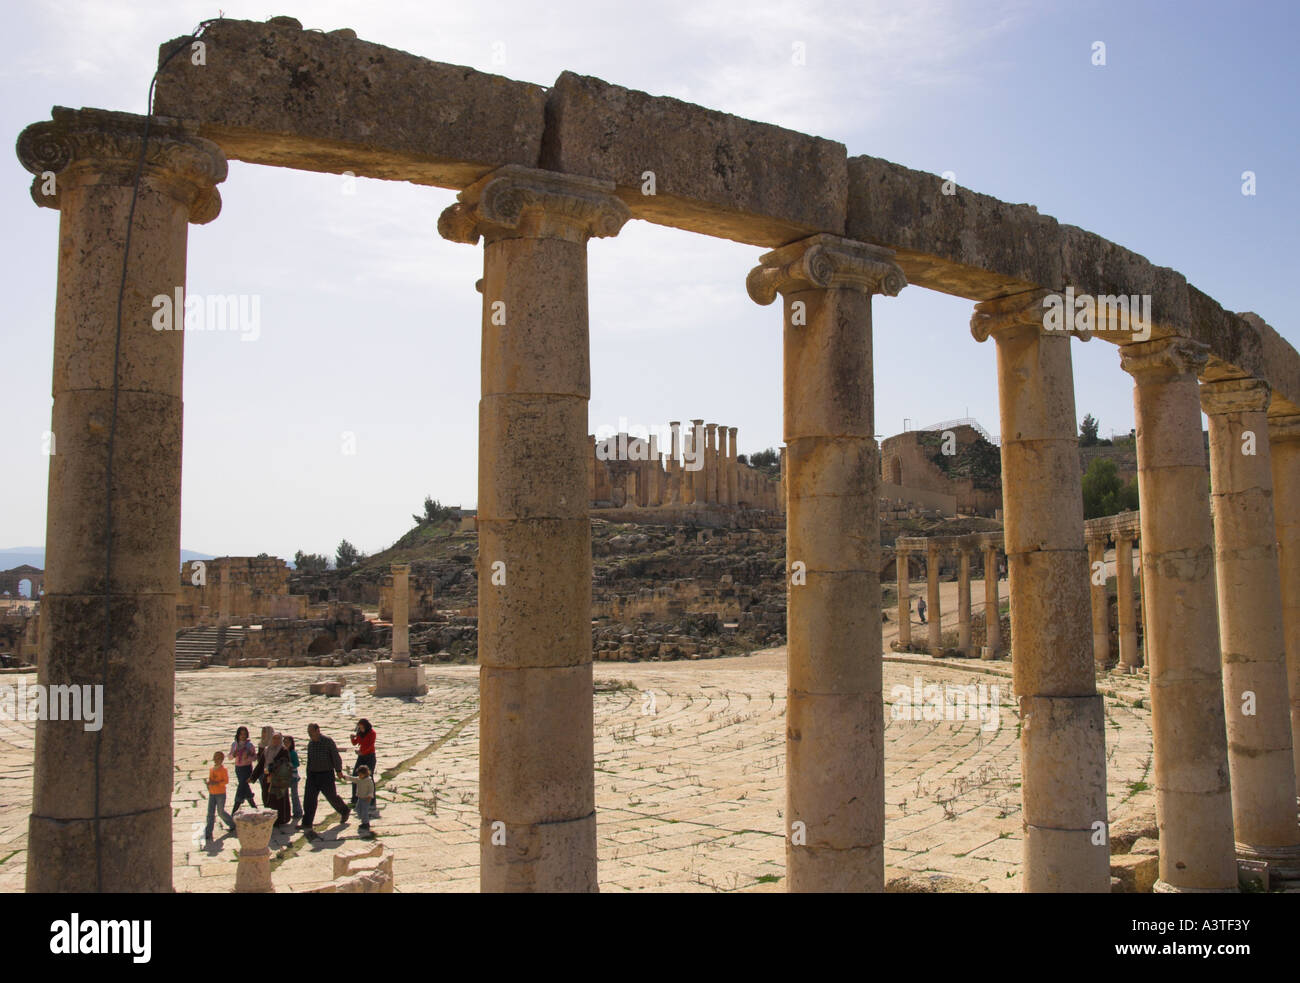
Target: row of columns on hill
(1123, 529)
(91, 828)
(702, 467)
(934, 548)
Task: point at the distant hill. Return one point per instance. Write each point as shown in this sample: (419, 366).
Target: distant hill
(16, 556)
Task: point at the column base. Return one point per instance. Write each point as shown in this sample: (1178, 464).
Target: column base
(1283, 862)
(399, 679)
(1164, 887)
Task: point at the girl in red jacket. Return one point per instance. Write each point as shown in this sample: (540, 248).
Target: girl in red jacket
(363, 739)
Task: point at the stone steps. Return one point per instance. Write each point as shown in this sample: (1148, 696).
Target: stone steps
(200, 644)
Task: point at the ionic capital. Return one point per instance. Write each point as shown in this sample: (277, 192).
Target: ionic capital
(1283, 428)
(515, 202)
(825, 261)
(1024, 310)
(93, 146)
(1235, 396)
(1164, 356)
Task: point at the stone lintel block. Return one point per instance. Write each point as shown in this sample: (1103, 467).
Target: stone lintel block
(146, 498)
(1136, 872)
(716, 174)
(535, 451)
(855, 870)
(966, 244)
(136, 704)
(275, 94)
(835, 782)
(1063, 751)
(1280, 363)
(1100, 268)
(344, 857)
(536, 753)
(550, 857)
(1065, 861)
(834, 634)
(541, 615)
(136, 851)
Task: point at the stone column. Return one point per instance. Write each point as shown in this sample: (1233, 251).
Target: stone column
(733, 469)
(1128, 643)
(1100, 602)
(253, 872)
(835, 711)
(224, 599)
(904, 598)
(1193, 797)
(536, 779)
(699, 462)
(711, 463)
(932, 606)
(1284, 444)
(1251, 636)
(401, 612)
(1062, 737)
(992, 606)
(674, 496)
(963, 601)
(654, 468)
(101, 815)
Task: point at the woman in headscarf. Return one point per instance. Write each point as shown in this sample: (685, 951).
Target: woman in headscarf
(275, 770)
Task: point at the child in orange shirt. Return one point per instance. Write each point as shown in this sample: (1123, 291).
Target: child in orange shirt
(217, 779)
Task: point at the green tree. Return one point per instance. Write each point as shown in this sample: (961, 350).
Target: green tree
(310, 562)
(434, 511)
(1088, 431)
(1104, 493)
(347, 555)
(767, 461)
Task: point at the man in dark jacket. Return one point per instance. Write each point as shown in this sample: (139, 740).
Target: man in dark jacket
(323, 764)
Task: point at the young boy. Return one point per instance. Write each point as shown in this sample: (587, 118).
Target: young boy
(365, 788)
(217, 779)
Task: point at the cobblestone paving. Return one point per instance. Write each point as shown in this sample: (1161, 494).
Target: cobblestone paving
(689, 775)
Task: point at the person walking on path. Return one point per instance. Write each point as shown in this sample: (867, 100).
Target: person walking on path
(275, 770)
(363, 739)
(323, 764)
(242, 755)
(296, 762)
(920, 608)
(217, 779)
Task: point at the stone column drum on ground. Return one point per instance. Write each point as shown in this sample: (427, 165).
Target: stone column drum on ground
(1284, 446)
(536, 759)
(904, 599)
(397, 676)
(933, 609)
(992, 606)
(1193, 797)
(1100, 602)
(1127, 610)
(253, 873)
(101, 811)
(1062, 739)
(835, 719)
(1257, 705)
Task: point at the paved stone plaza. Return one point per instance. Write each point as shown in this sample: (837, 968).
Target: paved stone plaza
(689, 791)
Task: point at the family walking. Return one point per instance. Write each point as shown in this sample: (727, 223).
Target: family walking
(275, 765)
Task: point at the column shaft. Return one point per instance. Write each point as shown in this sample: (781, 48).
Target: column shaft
(1100, 603)
(101, 811)
(1124, 602)
(1062, 741)
(933, 609)
(1284, 443)
(1251, 636)
(904, 599)
(536, 780)
(1193, 797)
(992, 605)
(835, 710)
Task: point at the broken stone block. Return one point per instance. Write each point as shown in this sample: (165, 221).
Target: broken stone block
(1137, 872)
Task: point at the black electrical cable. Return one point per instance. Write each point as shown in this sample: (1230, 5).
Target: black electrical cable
(112, 428)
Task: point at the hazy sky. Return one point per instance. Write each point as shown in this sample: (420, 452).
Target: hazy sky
(370, 321)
